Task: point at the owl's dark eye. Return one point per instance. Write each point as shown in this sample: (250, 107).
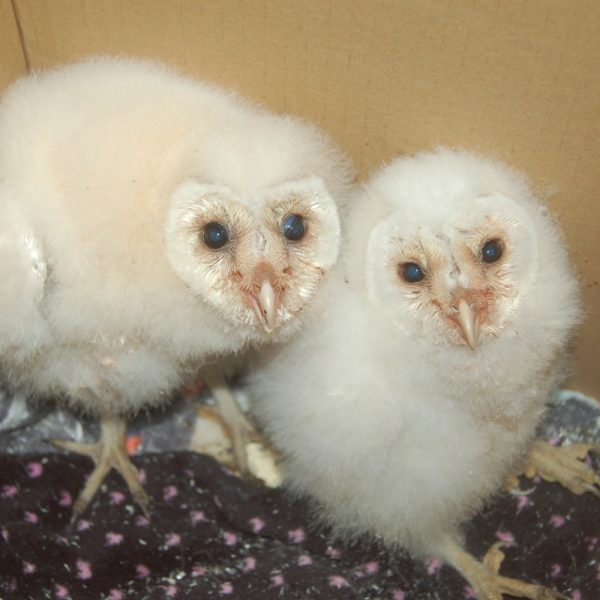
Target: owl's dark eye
(491, 251)
(412, 272)
(215, 235)
(293, 227)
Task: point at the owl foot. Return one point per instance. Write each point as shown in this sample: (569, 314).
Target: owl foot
(563, 465)
(108, 453)
(239, 429)
(485, 580)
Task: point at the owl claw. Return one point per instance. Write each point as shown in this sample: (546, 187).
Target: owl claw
(563, 465)
(108, 453)
(485, 578)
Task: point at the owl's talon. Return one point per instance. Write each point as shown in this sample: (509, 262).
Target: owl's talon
(108, 453)
(592, 490)
(493, 558)
(564, 465)
(142, 500)
(485, 580)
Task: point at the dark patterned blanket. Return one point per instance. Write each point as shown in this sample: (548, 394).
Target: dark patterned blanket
(212, 535)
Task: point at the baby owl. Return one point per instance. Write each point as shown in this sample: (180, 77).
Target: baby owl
(151, 223)
(423, 369)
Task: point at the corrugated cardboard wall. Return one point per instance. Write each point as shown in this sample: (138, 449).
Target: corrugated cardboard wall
(519, 80)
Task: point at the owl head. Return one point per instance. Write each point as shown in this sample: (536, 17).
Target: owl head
(255, 228)
(460, 253)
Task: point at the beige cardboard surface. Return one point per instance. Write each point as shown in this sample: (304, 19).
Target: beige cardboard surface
(519, 80)
(12, 59)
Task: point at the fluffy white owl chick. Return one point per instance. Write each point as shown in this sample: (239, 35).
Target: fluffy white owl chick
(417, 382)
(150, 223)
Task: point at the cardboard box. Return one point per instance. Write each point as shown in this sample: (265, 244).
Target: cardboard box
(518, 80)
(12, 58)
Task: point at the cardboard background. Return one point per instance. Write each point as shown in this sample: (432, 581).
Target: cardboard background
(518, 80)
(12, 59)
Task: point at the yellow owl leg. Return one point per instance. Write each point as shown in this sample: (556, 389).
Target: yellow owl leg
(108, 453)
(563, 465)
(484, 578)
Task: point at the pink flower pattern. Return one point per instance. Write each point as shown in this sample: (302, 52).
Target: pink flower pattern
(66, 499)
(256, 523)
(433, 565)
(372, 567)
(29, 568)
(230, 538)
(522, 502)
(296, 536)
(197, 516)
(142, 571)
(9, 491)
(506, 537)
(31, 517)
(83, 525)
(170, 492)
(142, 521)
(142, 476)
(304, 560)
(198, 571)
(337, 581)
(84, 570)
(557, 520)
(113, 539)
(172, 539)
(117, 498)
(226, 589)
(35, 470)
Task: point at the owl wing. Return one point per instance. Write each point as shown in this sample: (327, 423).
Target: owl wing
(23, 277)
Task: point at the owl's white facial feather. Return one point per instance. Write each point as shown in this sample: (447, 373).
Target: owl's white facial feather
(461, 298)
(257, 277)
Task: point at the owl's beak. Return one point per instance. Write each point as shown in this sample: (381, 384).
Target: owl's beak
(265, 305)
(267, 302)
(468, 323)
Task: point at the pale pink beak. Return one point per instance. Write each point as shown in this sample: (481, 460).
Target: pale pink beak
(265, 305)
(468, 323)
